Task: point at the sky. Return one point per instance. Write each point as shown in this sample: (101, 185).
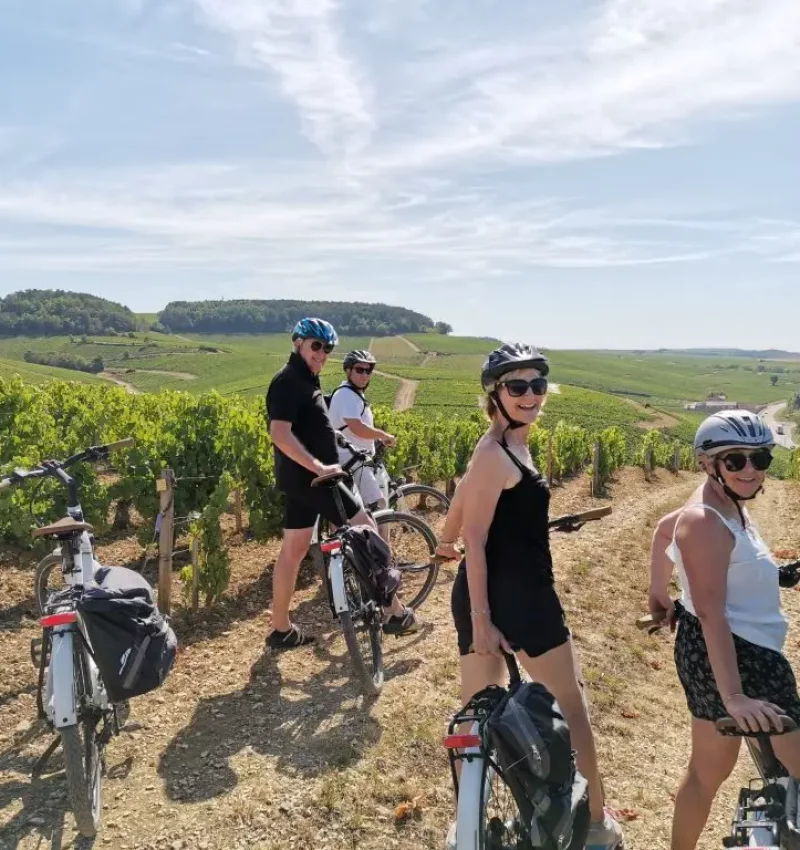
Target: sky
(616, 173)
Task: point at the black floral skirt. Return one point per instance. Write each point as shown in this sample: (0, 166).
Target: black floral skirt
(765, 674)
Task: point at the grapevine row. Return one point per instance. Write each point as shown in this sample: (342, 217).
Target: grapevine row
(204, 437)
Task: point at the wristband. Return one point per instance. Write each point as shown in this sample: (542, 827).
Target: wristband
(731, 696)
(482, 612)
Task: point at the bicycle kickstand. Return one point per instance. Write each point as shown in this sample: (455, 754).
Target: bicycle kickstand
(40, 763)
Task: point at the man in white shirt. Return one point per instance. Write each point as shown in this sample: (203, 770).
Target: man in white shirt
(351, 414)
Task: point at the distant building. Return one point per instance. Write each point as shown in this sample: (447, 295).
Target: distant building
(714, 405)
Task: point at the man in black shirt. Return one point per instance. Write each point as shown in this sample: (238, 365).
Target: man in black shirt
(305, 447)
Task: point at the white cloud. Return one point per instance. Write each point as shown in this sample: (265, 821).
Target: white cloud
(300, 42)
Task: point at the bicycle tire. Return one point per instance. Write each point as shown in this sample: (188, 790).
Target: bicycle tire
(411, 568)
(399, 499)
(83, 766)
(43, 571)
(499, 824)
(371, 674)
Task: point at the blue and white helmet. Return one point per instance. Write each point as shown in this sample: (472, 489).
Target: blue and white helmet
(732, 429)
(315, 329)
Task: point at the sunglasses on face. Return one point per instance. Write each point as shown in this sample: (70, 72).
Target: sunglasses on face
(363, 370)
(737, 461)
(316, 345)
(517, 387)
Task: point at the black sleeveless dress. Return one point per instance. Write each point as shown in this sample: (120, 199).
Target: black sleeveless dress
(519, 572)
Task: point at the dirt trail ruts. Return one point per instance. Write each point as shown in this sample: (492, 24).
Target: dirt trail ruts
(659, 420)
(406, 392)
(415, 348)
(107, 376)
(428, 359)
(240, 749)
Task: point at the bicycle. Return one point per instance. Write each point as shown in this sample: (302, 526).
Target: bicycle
(487, 814)
(412, 541)
(767, 812)
(397, 490)
(351, 598)
(71, 696)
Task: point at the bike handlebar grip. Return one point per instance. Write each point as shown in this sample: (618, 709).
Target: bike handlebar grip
(120, 444)
(594, 513)
(652, 621)
(727, 725)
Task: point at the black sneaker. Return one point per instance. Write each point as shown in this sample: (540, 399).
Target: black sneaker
(289, 640)
(406, 624)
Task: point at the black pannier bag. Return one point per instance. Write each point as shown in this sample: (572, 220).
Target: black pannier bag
(529, 739)
(372, 559)
(131, 641)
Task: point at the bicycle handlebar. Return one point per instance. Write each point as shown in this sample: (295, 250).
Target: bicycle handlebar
(574, 521)
(55, 468)
(728, 726)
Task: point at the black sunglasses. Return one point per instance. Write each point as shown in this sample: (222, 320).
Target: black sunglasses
(517, 387)
(363, 370)
(737, 461)
(316, 345)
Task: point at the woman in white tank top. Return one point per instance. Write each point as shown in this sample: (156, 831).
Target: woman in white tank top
(730, 629)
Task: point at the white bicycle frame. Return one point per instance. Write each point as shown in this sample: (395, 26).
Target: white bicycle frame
(468, 813)
(59, 697)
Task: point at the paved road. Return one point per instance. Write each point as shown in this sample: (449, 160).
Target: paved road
(769, 413)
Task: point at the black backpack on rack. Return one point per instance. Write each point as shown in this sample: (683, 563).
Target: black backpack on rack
(530, 742)
(130, 640)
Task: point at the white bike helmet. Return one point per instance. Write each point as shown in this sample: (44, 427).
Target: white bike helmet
(731, 429)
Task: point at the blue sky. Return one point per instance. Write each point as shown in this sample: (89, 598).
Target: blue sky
(621, 173)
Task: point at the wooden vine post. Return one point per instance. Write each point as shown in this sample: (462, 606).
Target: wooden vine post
(195, 572)
(597, 482)
(165, 486)
(550, 460)
(676, 459)
(237, 508)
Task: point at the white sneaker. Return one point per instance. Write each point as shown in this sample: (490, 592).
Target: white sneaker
(605, 834)
(450, 841)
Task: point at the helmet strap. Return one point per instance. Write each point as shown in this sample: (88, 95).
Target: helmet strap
(731, 494)
(512, 423)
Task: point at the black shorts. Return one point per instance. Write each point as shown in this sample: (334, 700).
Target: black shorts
(765, 673)
(301, 508)
(530, 617)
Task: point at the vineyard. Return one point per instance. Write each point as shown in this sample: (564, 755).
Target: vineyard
(203, 436)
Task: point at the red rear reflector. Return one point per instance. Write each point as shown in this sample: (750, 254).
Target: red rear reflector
(330, 546)
(460, 742)
(58, 619)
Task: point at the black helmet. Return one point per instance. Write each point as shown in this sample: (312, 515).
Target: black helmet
(509, 358)
(360, 355)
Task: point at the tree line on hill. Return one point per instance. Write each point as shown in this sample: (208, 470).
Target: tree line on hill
(251, 316)
(44, 312)
(40, 312)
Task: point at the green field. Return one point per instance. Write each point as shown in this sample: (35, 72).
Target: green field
(446, 370)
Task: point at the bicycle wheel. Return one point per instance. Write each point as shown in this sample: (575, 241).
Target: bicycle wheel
(83, 763)
(48, 579)
(413, 545)
(500, 824)
(420, 500)
(362, 626)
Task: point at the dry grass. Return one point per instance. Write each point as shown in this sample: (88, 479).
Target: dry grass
(243, 750)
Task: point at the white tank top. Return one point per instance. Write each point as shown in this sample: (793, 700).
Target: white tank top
(753, 605)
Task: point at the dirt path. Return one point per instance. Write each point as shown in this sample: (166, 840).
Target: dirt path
(108, 376)
(404, 400)
(770, 413)
(659, 420)
(242, 750)
(416, 349)
(406, 392)
(181, 376)
(429, 358)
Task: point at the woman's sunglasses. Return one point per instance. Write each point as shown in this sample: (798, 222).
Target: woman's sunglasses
(363, 370)
(316, 345)
(517, 387)
(737, 461)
